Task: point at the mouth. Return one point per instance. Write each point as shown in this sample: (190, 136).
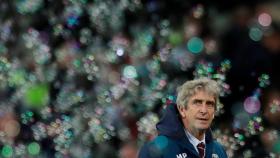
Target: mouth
(202, 119)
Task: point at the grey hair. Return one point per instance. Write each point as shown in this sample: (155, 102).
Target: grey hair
(189, 88)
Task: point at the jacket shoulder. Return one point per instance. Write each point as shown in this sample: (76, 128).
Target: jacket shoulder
(219, 149)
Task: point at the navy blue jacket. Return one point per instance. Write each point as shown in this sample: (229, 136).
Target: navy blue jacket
(172, 141)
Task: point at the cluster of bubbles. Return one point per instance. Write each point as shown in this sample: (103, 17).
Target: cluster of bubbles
(146, 125)
(28, 7)
(207, 69)
(252, 103)
(5, 67)
(252, 106)
(248, 121)
(76, 78)
(255, 125)
(231, 143)
(264, 80)
(260, 27)
(39, 50)
(274, 106)
(60, 130)
(31, 149)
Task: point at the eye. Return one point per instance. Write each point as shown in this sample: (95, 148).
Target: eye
(210, 104)
(197, 102)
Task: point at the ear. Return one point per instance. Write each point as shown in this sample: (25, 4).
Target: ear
(182, 111)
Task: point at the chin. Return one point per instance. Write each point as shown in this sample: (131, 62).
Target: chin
(203, 127)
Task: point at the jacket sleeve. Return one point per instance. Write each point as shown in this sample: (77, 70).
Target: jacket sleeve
(144, 152)
(149, 151)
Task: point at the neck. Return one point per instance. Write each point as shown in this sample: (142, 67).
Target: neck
(199, 134)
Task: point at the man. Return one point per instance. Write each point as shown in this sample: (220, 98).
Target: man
(184, 130)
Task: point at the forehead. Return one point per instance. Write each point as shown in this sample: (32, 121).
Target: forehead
(201, 94)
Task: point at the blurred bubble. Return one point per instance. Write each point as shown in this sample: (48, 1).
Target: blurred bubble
(198, 11)
(225, 65)
(9, 126)
(112, 57)
(274, 106)
(67, 53)
(7, 151)
(20, 150)
(241, 120)
(5, 34)
(255, 34)
(28, 6)
(237, 108)
(191, 30)
(164, 53)
(164, 28)
(3, 49)
(180, 59)
(33, 148)
(85, 36)
(129, 72)
(17, 77)
(36, 96)
(90, 67)
(264, 19)
(203, 69)
(68, 98)
(117, 91)
(119, 46)
(240, 137)
(175, 38)
(39, 131)
(247, 153)
(153, 65)
(12, 128)
(211, 46)
(120, 52)
(98, 131)
(72, 14)
(4, 65)
(168, 100)
(252, 105)
(276, 147)
(257, 93)
(58, 30)
(152, 6)
(144, 38)
(106, 17)
(195, 45)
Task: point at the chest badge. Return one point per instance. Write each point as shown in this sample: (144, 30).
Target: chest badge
(183, 155)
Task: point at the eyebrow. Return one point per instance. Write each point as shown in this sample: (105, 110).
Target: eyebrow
(201, 100)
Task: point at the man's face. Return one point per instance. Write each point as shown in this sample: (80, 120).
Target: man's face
(199, 113)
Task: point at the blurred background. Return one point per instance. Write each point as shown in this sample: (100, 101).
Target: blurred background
(91, 78)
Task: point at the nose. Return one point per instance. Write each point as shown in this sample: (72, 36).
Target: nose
(203, 108)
